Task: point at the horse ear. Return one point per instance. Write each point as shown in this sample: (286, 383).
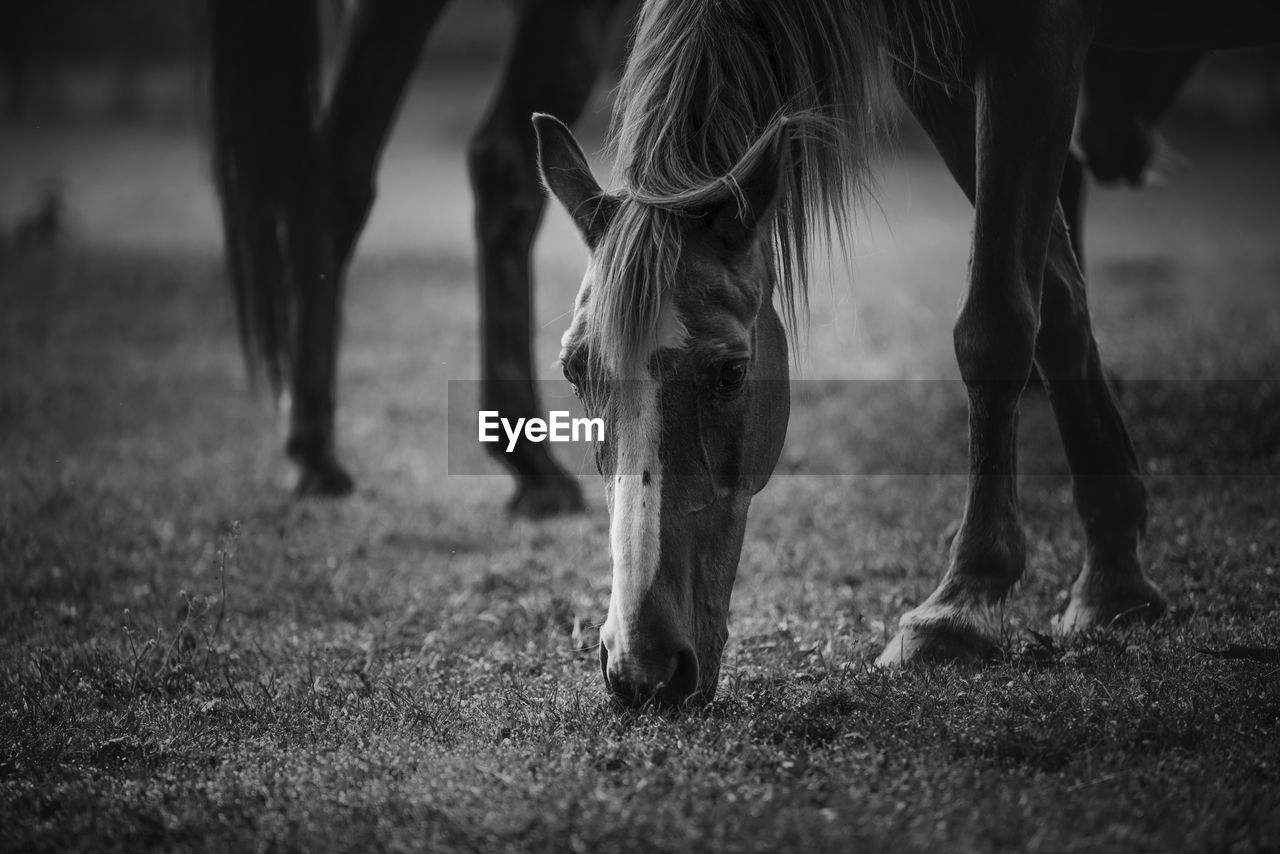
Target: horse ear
(758, 177)
(566, 174)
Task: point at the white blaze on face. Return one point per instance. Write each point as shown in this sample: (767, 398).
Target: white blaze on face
(636, 491)
(636, 511)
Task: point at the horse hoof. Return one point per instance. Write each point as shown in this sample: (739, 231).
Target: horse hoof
(938, 639)
(1144, 603)
(554, 497)
(324, 480)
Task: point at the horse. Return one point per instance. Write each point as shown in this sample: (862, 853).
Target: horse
(741, 131)
(295, 174)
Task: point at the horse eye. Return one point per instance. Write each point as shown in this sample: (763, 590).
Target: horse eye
(731, 377)
(568, 376)
(571, 367)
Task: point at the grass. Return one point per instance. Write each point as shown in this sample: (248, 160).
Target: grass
(189, 660)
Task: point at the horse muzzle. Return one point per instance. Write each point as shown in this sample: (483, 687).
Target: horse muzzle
(661, 674)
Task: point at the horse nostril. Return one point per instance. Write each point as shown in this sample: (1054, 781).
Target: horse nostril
(624, 686)
(619, 686)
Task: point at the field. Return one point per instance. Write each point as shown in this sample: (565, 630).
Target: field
(191, 660)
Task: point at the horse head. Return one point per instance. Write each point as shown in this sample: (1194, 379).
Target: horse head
(676, 344)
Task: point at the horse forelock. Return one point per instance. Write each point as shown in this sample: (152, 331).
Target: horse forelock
(635, 267)
(706, 80)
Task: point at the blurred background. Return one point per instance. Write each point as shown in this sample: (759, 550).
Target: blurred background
(70, 68)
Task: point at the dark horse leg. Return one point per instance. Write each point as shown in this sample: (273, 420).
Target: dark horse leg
(383, 46)
(1109, 493)
(1033, 57)
(1071, 196)
(552, 68)
(1125, 95)
(296, 185)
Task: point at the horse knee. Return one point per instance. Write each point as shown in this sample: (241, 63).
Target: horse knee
(995, 339)
(504, 179)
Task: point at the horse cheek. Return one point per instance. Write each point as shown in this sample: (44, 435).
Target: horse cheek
(769, 409)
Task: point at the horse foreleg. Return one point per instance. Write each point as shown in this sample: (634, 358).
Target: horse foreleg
(552, 68)
(1109, 494)
(1007, 146)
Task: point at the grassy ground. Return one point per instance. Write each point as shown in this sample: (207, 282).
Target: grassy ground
(191, 660)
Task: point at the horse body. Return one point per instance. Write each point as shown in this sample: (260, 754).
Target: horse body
(719, 201)
(1186, 24)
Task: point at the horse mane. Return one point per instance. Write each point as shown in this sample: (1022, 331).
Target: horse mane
(705, 83)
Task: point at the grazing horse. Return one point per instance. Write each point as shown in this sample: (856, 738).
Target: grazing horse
(741, 127)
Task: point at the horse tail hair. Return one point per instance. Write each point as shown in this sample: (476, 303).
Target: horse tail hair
(264, 76)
